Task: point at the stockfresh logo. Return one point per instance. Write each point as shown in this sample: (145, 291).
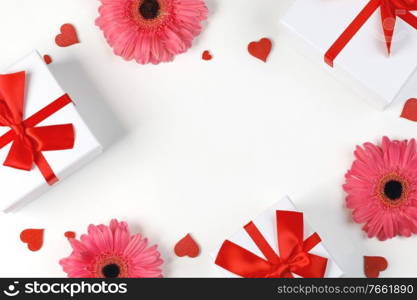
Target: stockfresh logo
(12, 289)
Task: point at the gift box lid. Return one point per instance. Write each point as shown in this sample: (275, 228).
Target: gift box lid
(365, 59)
(266, 223)
(18, 186)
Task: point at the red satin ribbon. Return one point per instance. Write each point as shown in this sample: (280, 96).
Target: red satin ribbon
(293, 249)
(390, 10)
(29, 141)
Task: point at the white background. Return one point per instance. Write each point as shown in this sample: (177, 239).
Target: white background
(198, 146)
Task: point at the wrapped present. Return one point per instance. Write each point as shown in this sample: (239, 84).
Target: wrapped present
(277, 244)
(42, 136)
(369, 44)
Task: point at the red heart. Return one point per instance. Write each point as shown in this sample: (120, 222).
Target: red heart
(187, 247)
(47, 58)
(70, 234)
(67, 37)
(206, 55)
(32, 237)
(373, 265)
(410, 110)
(260, 49)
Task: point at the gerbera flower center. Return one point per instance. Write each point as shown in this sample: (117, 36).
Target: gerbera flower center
(149, 9)
(393, 190)
(111, 266)
(111, 271)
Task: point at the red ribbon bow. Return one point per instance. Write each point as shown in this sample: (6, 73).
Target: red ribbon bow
(29, 141)
(390, 10)
(294, 252)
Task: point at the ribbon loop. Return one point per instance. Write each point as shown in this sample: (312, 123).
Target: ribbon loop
(27, 140)
(293, 252)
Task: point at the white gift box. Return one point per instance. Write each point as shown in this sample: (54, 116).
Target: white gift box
(18, 186)
(314, 25)
(266, 224)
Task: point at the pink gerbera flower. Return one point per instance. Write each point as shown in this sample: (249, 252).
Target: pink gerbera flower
(382, 188)
(110, 252)
(151, 31)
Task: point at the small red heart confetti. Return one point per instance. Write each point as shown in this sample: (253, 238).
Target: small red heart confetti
(187, 247)
(67, 37)
(206, 55)
(260, 49)
(33, 238)
(69, 234)
(410, 110)
(373, 265)
(47, 58)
